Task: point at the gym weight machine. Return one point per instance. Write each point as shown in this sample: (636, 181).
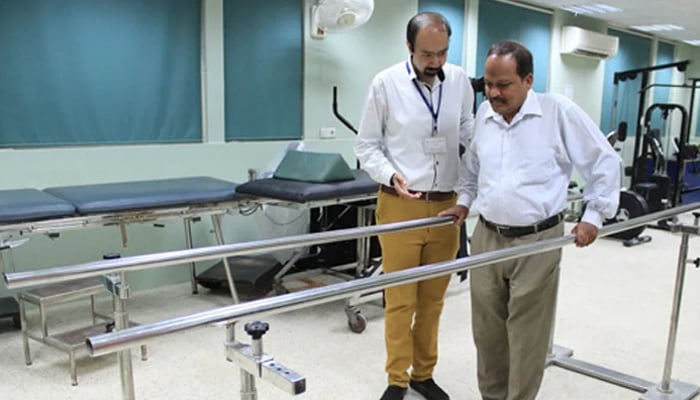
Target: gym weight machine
(657, 183)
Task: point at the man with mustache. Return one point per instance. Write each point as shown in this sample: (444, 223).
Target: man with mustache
(519, 162)
(417, 114)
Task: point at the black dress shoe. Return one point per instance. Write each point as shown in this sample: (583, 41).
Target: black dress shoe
(394, 392)
(429, 389)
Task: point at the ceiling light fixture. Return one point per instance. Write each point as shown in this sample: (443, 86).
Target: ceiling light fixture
(591, 9)
(658, 27)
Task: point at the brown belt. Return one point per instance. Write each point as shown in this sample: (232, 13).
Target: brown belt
(427, 196)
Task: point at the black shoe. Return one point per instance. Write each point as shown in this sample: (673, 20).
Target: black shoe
(394, 392)
(429, 389)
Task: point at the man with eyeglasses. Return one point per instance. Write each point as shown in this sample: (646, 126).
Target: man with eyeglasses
(417, 114)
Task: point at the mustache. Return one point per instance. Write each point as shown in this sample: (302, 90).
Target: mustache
(431, 71)
(496, 99)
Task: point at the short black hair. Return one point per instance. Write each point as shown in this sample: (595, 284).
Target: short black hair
(522, 55)
(420, 21)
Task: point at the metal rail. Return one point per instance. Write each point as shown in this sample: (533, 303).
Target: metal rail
(116, 341)
(58, 225)
(18, 280)
(24, 279)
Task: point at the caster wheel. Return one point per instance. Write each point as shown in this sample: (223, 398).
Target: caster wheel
(357, 323)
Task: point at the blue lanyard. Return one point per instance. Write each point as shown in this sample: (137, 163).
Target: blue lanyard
(433, 112)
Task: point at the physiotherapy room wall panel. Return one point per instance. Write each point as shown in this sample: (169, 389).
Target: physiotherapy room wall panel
(664, 55)
(634, 52)
(453, 10)
(501, 21)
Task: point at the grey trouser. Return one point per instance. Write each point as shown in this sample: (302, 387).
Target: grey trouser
(513, 305)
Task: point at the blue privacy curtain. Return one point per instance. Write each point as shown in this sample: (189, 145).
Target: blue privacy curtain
(263, 46)
(86, 72)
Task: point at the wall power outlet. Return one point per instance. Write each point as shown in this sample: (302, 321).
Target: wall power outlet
(327, 133)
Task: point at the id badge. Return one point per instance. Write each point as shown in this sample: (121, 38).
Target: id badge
(435, 145)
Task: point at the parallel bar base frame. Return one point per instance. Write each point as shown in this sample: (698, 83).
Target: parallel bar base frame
(562, 357)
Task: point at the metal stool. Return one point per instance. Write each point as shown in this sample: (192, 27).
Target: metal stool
(70, 341)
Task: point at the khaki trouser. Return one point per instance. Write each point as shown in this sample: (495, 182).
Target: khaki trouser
(513, 305)
(412, 312)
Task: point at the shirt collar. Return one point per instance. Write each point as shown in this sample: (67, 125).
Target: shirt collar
(531, 106)
(409, 69)
(411, 73)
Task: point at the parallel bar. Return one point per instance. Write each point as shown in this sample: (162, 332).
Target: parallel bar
(61, 274)
(104, 344)
(108, 343)
(667, 389)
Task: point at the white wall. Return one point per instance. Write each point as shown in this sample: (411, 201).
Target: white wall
(579, 78)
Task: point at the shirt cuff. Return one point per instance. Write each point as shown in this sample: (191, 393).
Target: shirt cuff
(386, 176)
(593, 217)
(464, 200)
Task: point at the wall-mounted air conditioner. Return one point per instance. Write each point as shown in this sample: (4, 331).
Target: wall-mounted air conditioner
(582, 42)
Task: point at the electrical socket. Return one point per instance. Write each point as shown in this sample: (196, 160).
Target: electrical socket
(327, 133)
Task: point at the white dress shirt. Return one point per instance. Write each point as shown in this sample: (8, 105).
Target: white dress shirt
(396, 121)
(520, 172)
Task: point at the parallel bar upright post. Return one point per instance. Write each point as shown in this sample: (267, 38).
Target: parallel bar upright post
(665, 385)
(121, 322)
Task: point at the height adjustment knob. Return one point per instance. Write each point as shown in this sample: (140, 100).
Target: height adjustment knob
(256, 329)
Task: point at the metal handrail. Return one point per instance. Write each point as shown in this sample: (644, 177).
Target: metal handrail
(116, 341)
(24, 279)
(18, 280)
